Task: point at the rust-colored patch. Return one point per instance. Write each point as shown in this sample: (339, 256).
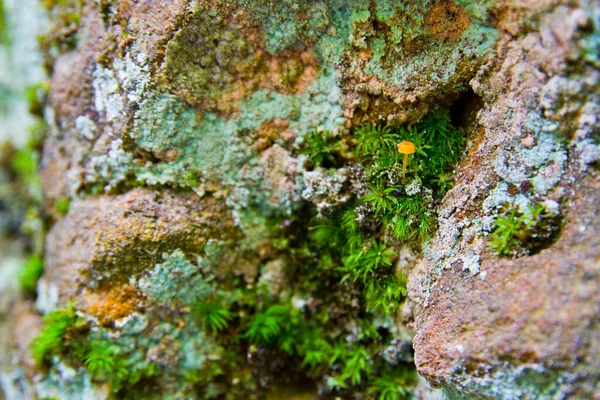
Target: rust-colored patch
(269, 131)
(150, 23)
(112, 304)
(447, 21)
(289, 72)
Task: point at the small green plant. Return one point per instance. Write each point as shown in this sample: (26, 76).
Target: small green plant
(355, 363)
(393, 384)
(374, 142)
(266, 325)
(30, 273)
(213, 314)
(320, 146)
(100, 358)
(384, 294)
(381, 198)
(53, 336)
(316, 351)
(412, 219)
(520, 233)
(364, 262)
(62, 206)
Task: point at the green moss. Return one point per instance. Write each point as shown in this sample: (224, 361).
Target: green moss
(62, 206)
(36, 98)
(519, 233)
(213, 314)
(2, 23)
(393, 384)
(52, 339)
(320, 147)
(30, 273)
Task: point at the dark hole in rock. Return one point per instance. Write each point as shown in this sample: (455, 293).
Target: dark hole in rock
(464, 110)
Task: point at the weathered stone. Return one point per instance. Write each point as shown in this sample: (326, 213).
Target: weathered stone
(526, 327)
(105, 241)
(179, 132)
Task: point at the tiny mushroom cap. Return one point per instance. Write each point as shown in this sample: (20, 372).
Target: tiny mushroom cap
(406, 147)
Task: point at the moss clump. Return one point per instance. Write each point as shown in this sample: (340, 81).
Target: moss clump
(30, 273)
(54, 336)
(519, 233)
(323, 309)
(213, 314)
(320, 147)
(62, 206)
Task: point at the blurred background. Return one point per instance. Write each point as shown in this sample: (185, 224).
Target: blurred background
(23, 85)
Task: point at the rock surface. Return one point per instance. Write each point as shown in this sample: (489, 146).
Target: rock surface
(201, 144)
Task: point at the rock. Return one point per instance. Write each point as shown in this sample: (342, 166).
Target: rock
(525, 327)
(104, 242)
(207, 254)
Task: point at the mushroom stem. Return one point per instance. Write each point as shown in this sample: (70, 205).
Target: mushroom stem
(406, 148)
(404, 169)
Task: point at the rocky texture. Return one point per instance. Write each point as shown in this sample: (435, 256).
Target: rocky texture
(120, 236)
(179, 132)
(524, 327)
(529, 327)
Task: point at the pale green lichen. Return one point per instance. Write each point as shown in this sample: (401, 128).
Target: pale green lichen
(65, 382)
(211, 154)
(86, 127)
(425, 58)
(529, 381)
(177, 280)
(542, 164)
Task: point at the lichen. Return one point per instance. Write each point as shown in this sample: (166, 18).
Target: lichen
(176, 279)
(512, 383)
(108, 100)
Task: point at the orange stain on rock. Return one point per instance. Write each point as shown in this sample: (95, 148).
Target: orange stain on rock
(113, 304)
(447, 21)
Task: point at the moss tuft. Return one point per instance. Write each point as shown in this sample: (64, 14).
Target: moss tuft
(54, 336)
(520, 233)
(30, 273)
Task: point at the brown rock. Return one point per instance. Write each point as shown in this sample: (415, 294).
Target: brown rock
(104, 241)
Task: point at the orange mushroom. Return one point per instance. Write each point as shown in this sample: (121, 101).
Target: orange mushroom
(406, 148)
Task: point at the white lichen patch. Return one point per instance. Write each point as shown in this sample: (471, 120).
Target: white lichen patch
(542, 165)
(471, 262)
(132, 324)
(499, 197)
(47, 296)
(64, 382)
(107, 96)
(86, 127)
(111, 168)
(326, 188)
(587, 152)
(414, 187)
(133, 75)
